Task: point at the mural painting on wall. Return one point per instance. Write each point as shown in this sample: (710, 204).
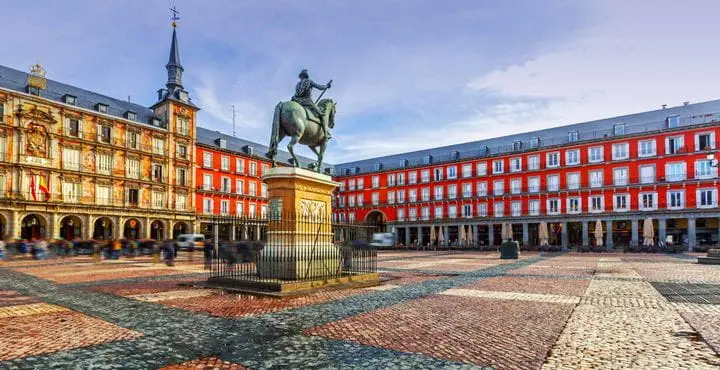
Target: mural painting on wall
(36, 141)
(119, 164)
(88, 159)
(146, 197)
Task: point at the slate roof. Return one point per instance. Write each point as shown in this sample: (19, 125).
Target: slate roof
(16, 80)
(208, 138)
(690, 114)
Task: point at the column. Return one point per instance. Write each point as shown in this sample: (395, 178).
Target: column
(563, 235)
(662, 229)
(257, 232)
(245, 232)
(608, 234)
(691, 234)
(420, 235)
(476, 234)
(14, 227)
(491, 235)
(146, 228)
(53, 232)
(88, 226)
(635, 237)
(525, 234)
(407, 237)
(585, 238)
(118, 228)
(216, 241)
(232, 232)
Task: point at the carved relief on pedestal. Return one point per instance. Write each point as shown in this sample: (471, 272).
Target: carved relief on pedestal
(312, 209)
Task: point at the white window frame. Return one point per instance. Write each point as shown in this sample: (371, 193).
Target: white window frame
(698, 198)
(670, 177)
(669, 199)
(594, 158)
(645, 179)
(516, 164)
(553, 201)
(534, 207)
(572, 157)
(452, 191)
(552, 160)
(677, 140)
(516, 208)
(482, 210)
(709, 171)
(207, 159)
(375, 182)
(596, 181)
(412, 177)
(591, 204)
(643, 150)
(481, 188)
(467, 190)
(481, 169)
(573, 185)
(498, 187)
(616, 181)
(619, 155)
(452, 172)
(467, 170)
(641, 201)
(534, 184)
(549, 184)
(627, 202)
(697, 140)
(438, 192)
(570, 209)
(533, 162)
(499, 209)
(498, 166)
(425, 176)
(516, 186)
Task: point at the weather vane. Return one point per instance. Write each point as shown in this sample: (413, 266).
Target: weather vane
(174, 16)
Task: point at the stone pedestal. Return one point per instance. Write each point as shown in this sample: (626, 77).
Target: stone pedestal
(510, 250)
(299, 231)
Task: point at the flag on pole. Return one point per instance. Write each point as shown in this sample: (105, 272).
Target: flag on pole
(32, 187)
(44, 188)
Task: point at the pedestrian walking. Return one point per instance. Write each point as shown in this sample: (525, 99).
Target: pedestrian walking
(169, 251)
(208, 252)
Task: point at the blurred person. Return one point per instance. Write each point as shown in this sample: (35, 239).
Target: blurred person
(208, 252)
(3, 249)
(169, 249)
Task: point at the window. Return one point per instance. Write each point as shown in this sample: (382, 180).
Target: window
(481, 169)
(675, 199)
(425, 194)
(675, 171)
(239, 165)
(131, 115)
(225, 163)
(102, 195)
(413, 214)
(452, 191)
(467, 170)
(351, 185)
(499, 209)
(620, 151)
(133, 168)
(412, 177)
(534, 142)
(573, 136)
(572, 157)
(516, 186)
(467, 210)
(647, 174)
(71, 159)
(452, 172)
(425, 176)
(182, 126)
(553, 159)
(102, 108)
(73, 127)
(253, 208)
(375, 182)
(704, 141)
(182, 178)
(515, 164)
(597, 203)
(498, 187)
(438, 192)
(517, 145)
(482, 188)
(351, 201)
(375, 198)
(360, 200)
(103, 133)
(674, 145)
(360, 183)
(264, 169)
(225, 184)
(351, 217)
(621, 202)
(158, 146)
(533, 162)
(553, 182)
(2, 111)
(534, 207)
(647, 148)
(180, 202)
(573, 180)
(438, 212)
(619, 129)
(467, 190)
(3, 150)
(425, 213)
(574, 205)
(133, 196)
(401, 196)
(595, 154)
(553, 206)
(207, 159)
(498, 166)
(342, 185)
(207, 182)
(452, 211)
(620, 176)
(103, 164)
(704, 169)
(263, 211)
(207, 205)
(391, 179)
(482, 209)
(437, 174)
(157, 172)
(71, 192)
(252, 191)
(412, 195)
(253, 168)
(182, 151)
(648, 201)
(706, 198)
(516, 208)
(158, 199)
(673, 121)
(240, 208)
(596, 179)
(400, 214)
(534, 184)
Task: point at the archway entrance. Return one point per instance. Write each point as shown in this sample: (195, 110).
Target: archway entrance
(102, 229)
(33, 227)
(131, 229)
(157, 230)
(70, 227)
(179, 229)
(376, 220)
(3, 227)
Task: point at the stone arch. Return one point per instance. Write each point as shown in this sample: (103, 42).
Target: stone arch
(377, 219)
(103, 228)
(180, 228)
(71, 227)
(4, 225)
(33, 226)
(132, 228)
(157, 230)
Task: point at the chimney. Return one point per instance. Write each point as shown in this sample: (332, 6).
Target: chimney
(685, 103)
(664, 106)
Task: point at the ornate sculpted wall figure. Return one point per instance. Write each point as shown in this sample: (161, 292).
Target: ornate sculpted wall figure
(37, 141)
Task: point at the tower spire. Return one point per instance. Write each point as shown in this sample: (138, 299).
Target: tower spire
(174, 68)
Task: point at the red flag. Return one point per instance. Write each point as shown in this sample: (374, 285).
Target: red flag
(32, 187)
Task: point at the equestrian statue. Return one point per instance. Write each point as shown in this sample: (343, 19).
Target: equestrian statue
(305, 121)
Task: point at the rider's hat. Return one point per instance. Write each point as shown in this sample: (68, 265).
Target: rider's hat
(304, 74)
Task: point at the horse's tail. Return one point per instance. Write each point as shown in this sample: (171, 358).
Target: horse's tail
(275, 135)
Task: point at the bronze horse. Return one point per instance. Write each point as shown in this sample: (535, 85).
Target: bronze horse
(291, 119)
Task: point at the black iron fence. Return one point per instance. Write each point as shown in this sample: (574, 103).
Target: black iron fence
(284, 249)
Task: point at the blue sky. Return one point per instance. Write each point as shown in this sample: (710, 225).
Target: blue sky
(408, 74)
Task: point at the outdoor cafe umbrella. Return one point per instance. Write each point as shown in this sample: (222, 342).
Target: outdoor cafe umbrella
(598, 233)
(507, 231)
(543, 234)
(462, 237)
(469, 235)
(648, 232)
(432, 234)
(441, 235)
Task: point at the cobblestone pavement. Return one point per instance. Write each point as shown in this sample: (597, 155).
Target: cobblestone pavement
(433, 309)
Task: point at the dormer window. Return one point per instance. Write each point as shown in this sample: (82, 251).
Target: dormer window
(619, 129)
(102, 108)
(357, 170)
(427, 159)
(70, 99)
(454, 155)
(403, 163)
(155, 122)
(131, 115)
(484, 150)
(32, 90)
(573, 136)
(222, 143)
(517, 145)
(534, 142)
(673, 121)
(248, 149)
(378, 166)
(347, 172)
